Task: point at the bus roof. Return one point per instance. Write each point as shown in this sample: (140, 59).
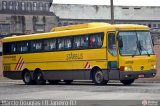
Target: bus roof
(130, 27)
(98, 24)
(77, 29)
(80, 26)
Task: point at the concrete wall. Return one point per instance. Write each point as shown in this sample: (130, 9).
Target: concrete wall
(74, 11)
(80, 11)
(22, 23)
(157, 52)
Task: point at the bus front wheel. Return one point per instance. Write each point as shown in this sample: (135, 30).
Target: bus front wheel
(98, 77)
(127, 82)
(27, 78)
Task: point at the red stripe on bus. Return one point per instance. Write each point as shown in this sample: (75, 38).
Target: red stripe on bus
(21, 65)
(86, 65)
(17, 68)
(17, 64)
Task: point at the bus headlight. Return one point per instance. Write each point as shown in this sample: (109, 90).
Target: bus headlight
(128, 68)
(153, 67)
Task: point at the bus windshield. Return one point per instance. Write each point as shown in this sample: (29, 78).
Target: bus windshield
(136, 43)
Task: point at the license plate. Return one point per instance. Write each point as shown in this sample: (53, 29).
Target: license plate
(141, 76)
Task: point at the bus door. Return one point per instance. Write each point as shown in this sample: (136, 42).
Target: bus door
(112, 56)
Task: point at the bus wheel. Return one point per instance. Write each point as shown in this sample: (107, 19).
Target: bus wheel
(27, 78)
(98, 77)
(54, 81)
(38, 78)
(68, 81)
(127, 82)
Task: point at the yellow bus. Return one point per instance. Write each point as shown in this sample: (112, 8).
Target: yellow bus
(93, 51)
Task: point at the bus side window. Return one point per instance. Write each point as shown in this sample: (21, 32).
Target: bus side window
(49, 44)
(92, 41)
(46, 45)
(96, 40)
(84, 41)
(13, 48)
(60, 44)
(25, 47)
(76, 42)
(112, 44)
(36, 46)
(53, 44)
(68, 43)
(99, 40)
(22, 47)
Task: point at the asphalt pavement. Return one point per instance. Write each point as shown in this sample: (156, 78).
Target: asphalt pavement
(80, 90)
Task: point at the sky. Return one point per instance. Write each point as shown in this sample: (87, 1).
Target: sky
(116, 2)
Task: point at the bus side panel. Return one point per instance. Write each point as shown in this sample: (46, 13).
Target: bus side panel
(67, 75)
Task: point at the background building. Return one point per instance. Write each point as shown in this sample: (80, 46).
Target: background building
(25, 16)
(18, 17)
(75, 14)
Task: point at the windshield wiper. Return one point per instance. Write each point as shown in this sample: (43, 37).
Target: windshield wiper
(145, 50)
(137, 48)
(141, 47)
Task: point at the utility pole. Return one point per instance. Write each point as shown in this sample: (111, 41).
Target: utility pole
(112, 11)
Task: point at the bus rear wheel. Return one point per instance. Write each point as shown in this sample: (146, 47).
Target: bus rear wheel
(98, 77)
(38, 78)
(127, 82)
(27, 78)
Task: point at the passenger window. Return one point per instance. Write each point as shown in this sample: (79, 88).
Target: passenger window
(84, 41)
(96, 40)
(36, 46)
(76, 42)
(92, 41)
(99, 40)
(22, 47)
(68, 43)
(50, 44)
(13, 48)
(61, 44)
(112, 44)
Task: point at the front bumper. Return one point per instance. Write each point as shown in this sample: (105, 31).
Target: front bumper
(137, 74)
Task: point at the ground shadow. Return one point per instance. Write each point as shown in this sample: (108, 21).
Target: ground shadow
(90, 83)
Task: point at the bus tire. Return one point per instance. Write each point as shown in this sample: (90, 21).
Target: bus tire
(68, 81)
(38, 78)
(127, 82)
(98, 77)
(27, 78)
